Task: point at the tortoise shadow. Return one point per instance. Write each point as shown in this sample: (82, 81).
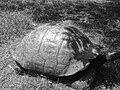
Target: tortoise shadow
(108, 74)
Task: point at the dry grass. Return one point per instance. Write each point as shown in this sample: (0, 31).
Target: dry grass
(17, 18)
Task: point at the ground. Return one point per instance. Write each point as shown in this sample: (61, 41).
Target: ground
(19, 17)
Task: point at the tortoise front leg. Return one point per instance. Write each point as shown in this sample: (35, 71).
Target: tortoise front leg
(84, 82)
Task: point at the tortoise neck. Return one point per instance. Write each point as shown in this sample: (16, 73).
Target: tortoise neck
(98, 61)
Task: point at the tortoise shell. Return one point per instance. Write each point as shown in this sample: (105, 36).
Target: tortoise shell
(55, 49)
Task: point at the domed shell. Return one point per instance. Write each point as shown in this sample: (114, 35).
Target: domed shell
(54, 50)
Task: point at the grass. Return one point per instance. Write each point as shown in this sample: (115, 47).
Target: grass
(17, 18)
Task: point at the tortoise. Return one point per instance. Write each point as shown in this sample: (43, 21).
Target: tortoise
(56, 49)
(61, 50)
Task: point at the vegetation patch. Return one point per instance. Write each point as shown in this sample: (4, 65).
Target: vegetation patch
(19, 17)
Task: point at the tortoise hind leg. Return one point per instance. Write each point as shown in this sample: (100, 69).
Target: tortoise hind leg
(20, 70)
